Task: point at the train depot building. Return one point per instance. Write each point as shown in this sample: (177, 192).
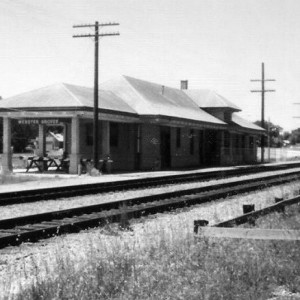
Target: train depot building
(142, 125)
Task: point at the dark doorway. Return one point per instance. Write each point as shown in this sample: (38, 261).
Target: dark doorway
(201, 147)
(212, 151)
(165, 147)
(137, 157)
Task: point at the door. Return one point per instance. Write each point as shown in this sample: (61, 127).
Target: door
(211, 148)
(165, 147)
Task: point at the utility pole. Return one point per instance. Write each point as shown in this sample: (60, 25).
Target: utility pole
(262, 91)
(297, 103)
(96, 117)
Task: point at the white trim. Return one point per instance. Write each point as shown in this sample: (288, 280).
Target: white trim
(249, 233)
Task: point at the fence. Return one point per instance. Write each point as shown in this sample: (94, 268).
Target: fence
(279, 154)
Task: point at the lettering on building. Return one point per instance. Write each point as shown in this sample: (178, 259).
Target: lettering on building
(40, 121)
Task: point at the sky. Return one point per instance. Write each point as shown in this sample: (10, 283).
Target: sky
(214, 44)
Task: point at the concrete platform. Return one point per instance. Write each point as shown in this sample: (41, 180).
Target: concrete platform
(51, 178)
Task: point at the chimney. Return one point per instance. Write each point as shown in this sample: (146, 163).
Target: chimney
(162, 89)
(184, 84)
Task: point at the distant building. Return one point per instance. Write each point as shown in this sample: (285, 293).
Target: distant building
(143, 125)
(54, 141)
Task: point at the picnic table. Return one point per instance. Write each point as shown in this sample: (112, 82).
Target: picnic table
(44, 163)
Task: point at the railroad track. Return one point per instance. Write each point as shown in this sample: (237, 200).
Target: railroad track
(250, 217)
(34, 227)
(53, 193)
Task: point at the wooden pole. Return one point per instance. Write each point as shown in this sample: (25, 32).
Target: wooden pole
(96, 119)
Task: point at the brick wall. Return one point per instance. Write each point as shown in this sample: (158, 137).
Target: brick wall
(123, 154)
(150, 147)
(183, 156)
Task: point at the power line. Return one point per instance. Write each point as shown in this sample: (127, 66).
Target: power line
(96, 35)
(262, 91)
(296, 117)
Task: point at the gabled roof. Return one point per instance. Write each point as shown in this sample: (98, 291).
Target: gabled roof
(129, 95)
(210, 99)
(237, 120)
(149, 99)
(65, 96)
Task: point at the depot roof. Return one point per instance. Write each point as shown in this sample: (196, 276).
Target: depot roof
(238, 120)
(149, 99)
(130, 96)
(64, 96)
(210, 99)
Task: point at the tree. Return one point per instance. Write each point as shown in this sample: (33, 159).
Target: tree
(295, 137)
(286, 135)
(273, 132)
(21, 134)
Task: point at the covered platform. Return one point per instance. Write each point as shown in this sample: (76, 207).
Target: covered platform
(142, 126)
(53, 179)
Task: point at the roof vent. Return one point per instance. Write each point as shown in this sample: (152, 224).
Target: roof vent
(162, 89)
(184, 84)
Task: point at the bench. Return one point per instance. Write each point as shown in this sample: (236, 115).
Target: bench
(44, 163)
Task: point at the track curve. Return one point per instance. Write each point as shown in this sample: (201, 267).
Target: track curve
(34, 227)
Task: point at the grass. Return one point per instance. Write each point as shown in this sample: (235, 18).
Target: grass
(159, 259)
(184, 269)
(167, 265)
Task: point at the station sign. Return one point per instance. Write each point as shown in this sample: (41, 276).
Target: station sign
(44, 121)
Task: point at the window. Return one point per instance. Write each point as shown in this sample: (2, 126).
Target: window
(114, 134)
(178, 138)
(192, 141)
(89, 134)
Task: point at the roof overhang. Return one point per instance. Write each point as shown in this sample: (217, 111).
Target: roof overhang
(220, 108)
(238, 129)
(62, 113)
(180, 122)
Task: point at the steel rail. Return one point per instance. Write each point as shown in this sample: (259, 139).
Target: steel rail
(34, 227)
(17, 197)
(252, 216)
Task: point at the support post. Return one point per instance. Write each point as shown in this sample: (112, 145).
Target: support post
(65, 137)
(105, 146)
(7, 152)
(42, 141)
(75, 155)
(199, 223)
